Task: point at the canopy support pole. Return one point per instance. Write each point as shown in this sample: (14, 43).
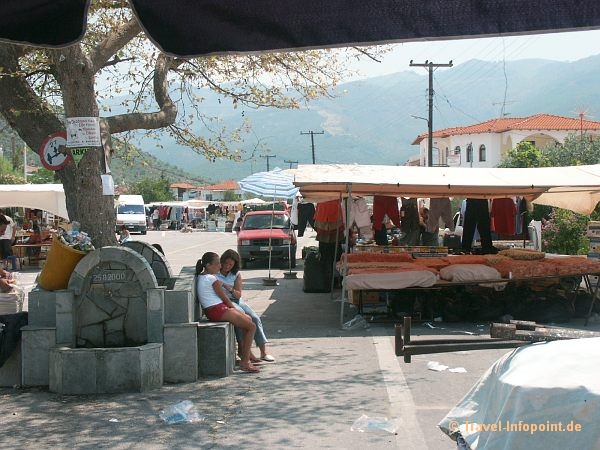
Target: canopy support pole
(345, 262)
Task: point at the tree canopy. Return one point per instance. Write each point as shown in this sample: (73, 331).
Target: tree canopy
(116, 74)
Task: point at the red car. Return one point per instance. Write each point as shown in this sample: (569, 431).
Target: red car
(256, 230)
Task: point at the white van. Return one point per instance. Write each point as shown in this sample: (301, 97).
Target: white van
(131, 212)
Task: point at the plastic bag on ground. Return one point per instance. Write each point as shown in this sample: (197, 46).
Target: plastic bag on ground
(182, 412)
(365, 423)
(357, 322)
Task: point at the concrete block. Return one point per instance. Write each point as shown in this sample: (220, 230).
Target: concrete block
(36, 343)
(179, 307)
(216, 349)
(106, 370)
(10, 372)
(180, 353)
(65, 323)
(42, 308)
(155, 315)
(72, 371)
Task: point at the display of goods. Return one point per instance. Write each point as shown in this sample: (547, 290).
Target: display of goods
(376, 257)
(525, 254)
(435, 263)
(411, 268)
(495, 259)
(467, 259)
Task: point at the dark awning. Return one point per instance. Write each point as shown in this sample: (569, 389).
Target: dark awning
(199, 27)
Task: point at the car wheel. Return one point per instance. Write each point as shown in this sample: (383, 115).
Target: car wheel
(144, 231)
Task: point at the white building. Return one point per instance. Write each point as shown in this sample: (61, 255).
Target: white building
(485, 144)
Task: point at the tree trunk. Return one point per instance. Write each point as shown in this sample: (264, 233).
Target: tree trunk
(33, 120)
(82, 182)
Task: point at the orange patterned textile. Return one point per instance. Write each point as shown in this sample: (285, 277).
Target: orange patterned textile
(377, 257)
(411, 268)
(467, 259)
(434, 263)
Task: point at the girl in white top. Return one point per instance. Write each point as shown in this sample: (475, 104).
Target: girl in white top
(218, 307)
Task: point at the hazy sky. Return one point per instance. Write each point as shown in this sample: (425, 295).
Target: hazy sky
(569, 46)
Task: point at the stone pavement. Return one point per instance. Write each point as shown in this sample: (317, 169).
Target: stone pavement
(323, 380)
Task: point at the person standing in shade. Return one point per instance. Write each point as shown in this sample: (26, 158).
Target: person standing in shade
(7, 239)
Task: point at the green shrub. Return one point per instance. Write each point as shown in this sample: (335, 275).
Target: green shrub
(564, 233)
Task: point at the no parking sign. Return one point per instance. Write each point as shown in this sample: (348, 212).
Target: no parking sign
(50, 156)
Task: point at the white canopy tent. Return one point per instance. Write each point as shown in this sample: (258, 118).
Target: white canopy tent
(575, 187)
(47, 197)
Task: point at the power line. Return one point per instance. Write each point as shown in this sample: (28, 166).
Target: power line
(290, 162)
(430, 66)
(312, 141)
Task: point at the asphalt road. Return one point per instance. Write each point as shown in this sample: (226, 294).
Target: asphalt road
(324, 379)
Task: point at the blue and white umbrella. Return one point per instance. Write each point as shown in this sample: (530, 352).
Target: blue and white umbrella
(276, 184)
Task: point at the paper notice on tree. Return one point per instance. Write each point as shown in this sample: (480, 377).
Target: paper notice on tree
(83, 132)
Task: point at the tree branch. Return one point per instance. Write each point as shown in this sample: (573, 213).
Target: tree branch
(114, 41)
(168, 109)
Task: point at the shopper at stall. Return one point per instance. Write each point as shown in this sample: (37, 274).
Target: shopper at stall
(477, 215)
(156, 218)
(7, 238)
(219, 308)
(232, 286)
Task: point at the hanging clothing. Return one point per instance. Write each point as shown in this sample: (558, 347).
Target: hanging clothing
(504, 211)
(382, 205)
(521, 218)
(306, 214)
(359, 213)
(439, 208)
(329, 221)
(410, 225)
(477, 214)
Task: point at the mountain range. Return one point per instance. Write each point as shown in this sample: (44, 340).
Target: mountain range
(371, 121)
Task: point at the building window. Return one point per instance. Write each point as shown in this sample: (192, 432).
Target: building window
(482, 152)
(469, 153)
(457, 150)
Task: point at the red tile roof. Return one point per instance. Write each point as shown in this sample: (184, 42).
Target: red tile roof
(538, 122)
(227, 185)
(182, 186)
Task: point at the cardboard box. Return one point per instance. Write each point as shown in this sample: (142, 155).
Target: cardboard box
(368, 297)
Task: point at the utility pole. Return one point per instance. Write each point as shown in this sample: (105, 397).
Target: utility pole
(312, 141)
(290, 162)
(430, 66)
(268, 156)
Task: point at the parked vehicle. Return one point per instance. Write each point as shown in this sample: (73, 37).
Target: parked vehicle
(131, 212)
(256, 230)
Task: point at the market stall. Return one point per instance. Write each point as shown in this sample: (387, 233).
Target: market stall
(576, 188)
(46, 197)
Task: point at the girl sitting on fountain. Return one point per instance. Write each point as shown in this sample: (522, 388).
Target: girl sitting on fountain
(219, 308)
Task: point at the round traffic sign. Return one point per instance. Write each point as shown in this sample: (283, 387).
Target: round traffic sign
(50, 157)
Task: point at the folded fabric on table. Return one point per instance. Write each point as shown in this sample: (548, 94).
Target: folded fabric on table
(469, 272)
(390, 280)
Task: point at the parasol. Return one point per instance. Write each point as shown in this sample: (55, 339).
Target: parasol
(275, 184)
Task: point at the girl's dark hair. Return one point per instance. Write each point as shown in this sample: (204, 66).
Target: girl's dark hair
(207, 258)
(3, 220)
(233, 255)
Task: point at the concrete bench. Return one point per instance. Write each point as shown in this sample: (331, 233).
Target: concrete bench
(216, 345)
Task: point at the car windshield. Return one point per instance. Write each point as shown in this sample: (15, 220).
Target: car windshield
(131, 209)
(263, 221)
